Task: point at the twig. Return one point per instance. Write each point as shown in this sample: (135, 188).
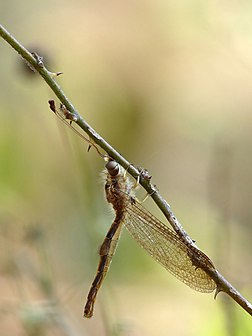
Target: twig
(36, 63)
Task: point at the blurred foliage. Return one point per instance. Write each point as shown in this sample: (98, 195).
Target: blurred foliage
(168, 84)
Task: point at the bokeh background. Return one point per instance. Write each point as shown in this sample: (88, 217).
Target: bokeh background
(168, 84)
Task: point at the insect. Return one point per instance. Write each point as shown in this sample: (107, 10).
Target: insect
(162, 243)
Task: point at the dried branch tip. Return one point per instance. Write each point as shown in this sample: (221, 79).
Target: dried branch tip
(52, 105)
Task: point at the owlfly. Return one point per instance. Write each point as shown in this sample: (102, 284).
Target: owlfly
(184, 260)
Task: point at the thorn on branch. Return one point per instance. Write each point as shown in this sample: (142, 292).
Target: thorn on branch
(217, 291)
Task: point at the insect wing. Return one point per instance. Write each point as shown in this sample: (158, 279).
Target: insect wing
(166, 248)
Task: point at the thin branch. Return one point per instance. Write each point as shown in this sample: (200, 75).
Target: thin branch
(36, 63)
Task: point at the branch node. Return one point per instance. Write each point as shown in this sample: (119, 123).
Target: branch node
(38, 59)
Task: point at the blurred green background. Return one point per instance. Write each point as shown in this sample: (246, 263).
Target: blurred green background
(168, 84)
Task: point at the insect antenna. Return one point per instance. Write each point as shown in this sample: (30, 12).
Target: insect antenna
(64, 115)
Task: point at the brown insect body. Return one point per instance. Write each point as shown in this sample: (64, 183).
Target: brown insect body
(116, 189)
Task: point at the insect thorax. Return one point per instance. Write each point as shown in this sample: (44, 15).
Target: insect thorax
(117, 189)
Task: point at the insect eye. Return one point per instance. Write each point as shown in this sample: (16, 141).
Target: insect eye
(113, 168)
